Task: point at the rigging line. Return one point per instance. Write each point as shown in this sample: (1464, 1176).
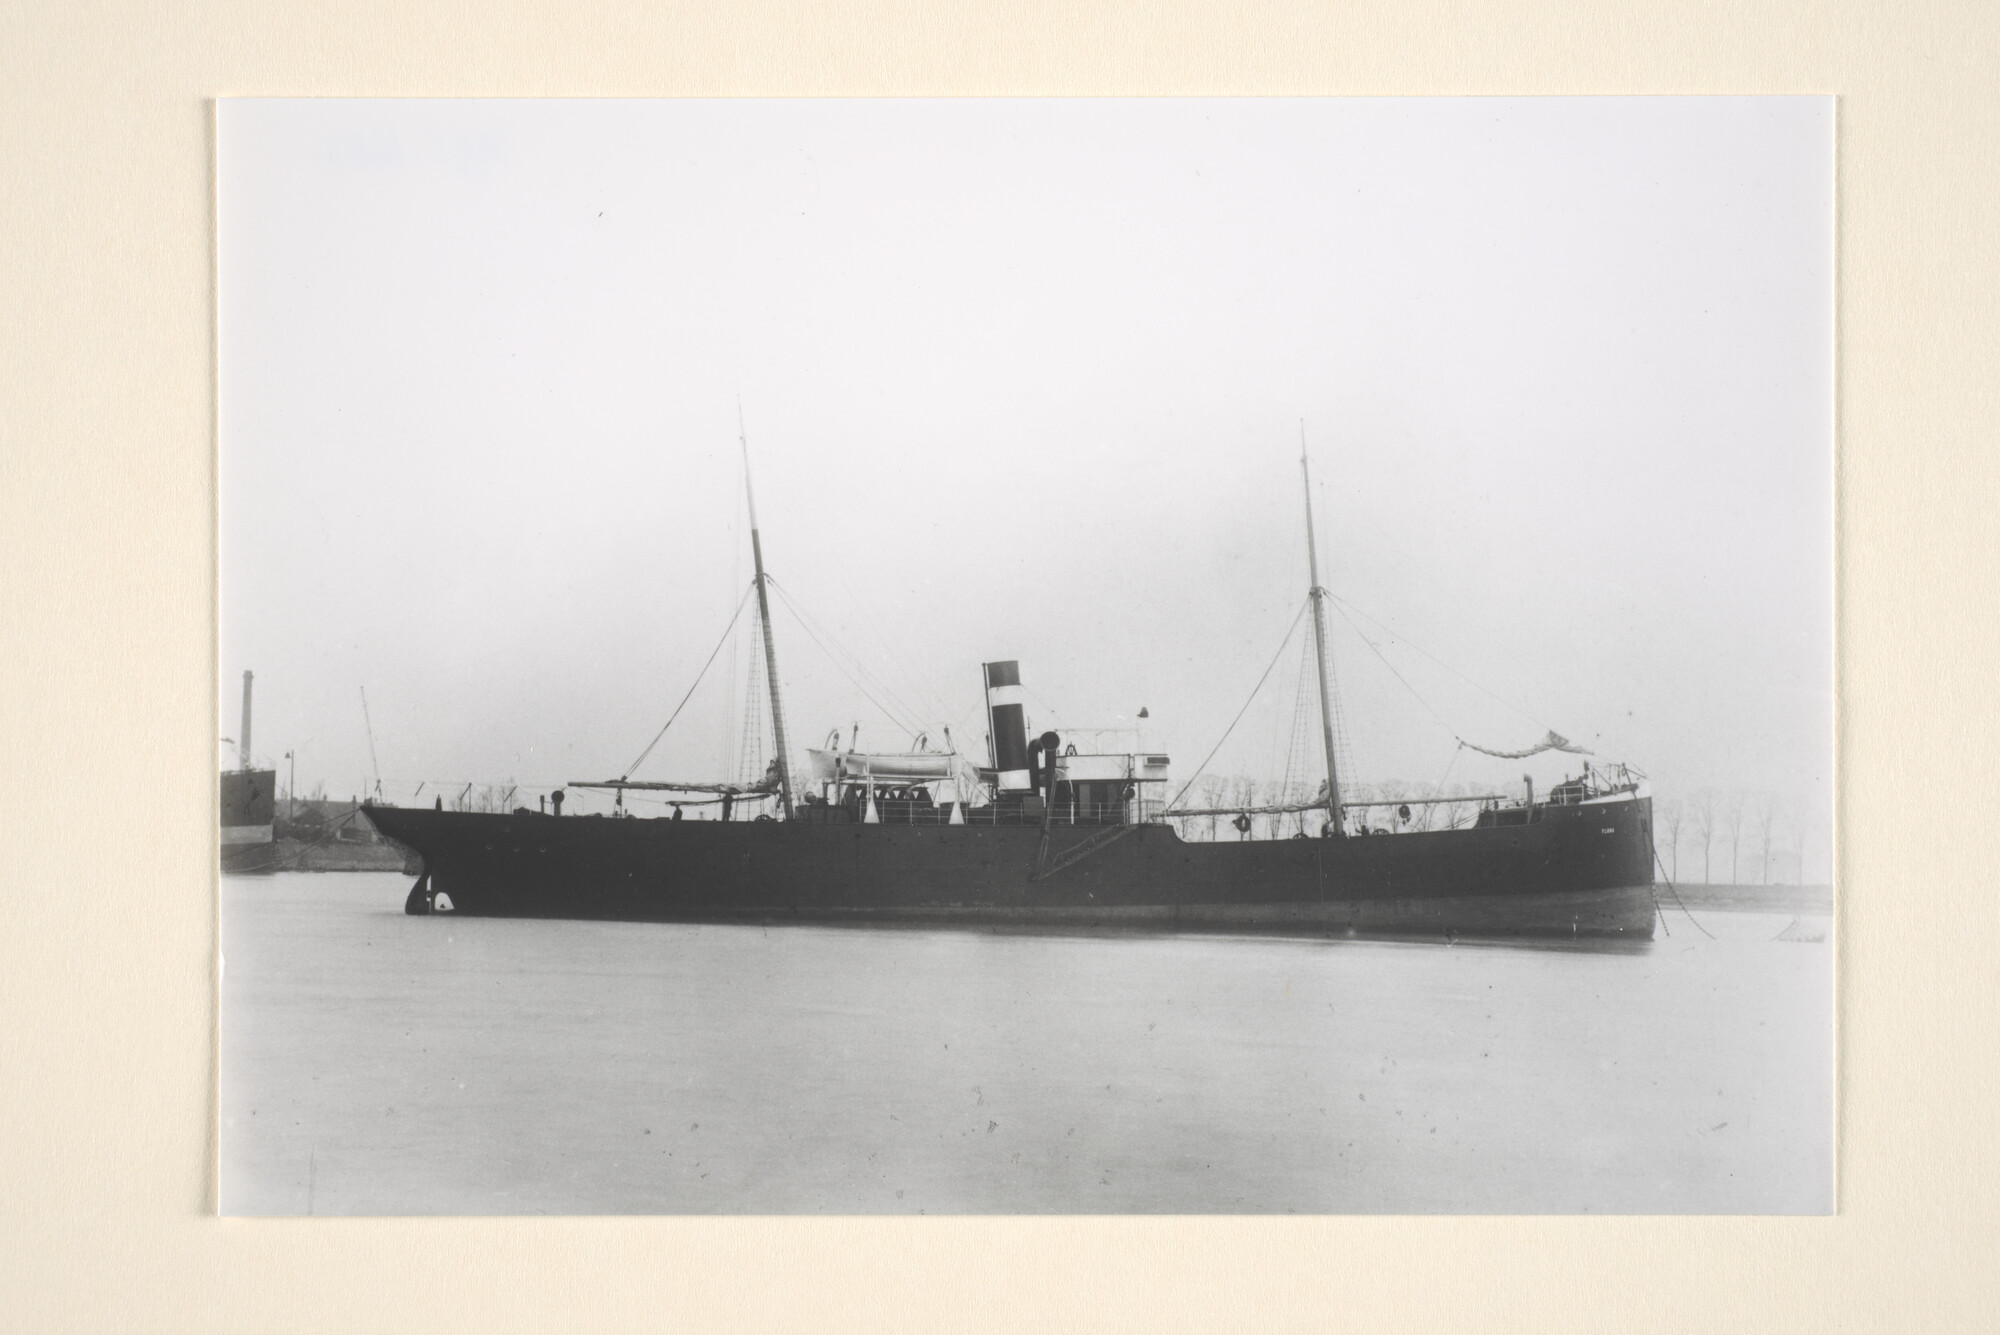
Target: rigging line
(1393, 634)
(902, 692)
(1449, 766)
(1296, 618)
(916, 687)
(1437, 790)
(1040, 703)
(1305, 707)
(740, 602)
(1399, 676)
(1295, 739)
(1294, 733)
(806, 626)
(854, 667)
(853, 660)
(750, 748)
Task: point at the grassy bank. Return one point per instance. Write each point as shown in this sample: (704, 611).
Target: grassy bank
(1757, 898)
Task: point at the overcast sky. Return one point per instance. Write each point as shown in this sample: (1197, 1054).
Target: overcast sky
(1025, 380)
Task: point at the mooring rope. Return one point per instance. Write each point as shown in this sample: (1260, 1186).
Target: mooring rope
(1677, 897)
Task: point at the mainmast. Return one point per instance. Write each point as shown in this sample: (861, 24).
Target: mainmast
(764, 615)
(1319, 644)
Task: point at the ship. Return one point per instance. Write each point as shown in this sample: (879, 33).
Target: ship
(1044, 837)
(249, 807)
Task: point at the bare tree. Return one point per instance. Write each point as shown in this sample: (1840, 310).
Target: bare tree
(1701, 815)
(1210, 793)
(1358, 792)
(1456, 812)
(1243, 793)
(1431, 811)
(1249, 794)
(1391, 790)
(1762, 817)
(494, 797)
(1732, 823)
(1671, 814)
(1299, 794)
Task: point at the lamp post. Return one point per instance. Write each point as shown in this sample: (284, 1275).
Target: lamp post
(291, 787)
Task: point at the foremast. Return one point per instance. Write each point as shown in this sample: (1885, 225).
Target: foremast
(764, 617)
(1335, 826)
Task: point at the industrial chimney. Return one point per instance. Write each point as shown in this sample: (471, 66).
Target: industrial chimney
(243, 734)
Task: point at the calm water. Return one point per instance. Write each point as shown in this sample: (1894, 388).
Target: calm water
(374, 1063)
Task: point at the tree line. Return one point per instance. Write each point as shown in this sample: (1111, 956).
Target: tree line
(1749, 835)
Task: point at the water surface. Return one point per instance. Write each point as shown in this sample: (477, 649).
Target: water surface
(374, 1063)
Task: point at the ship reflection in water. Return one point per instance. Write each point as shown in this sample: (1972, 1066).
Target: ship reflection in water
(374, 1063)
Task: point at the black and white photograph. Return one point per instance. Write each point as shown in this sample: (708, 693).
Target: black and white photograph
(1026, 656)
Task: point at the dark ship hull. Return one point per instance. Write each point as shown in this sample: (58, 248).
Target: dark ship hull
(1557, 871)
(249, 815)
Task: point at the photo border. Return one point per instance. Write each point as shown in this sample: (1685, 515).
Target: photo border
(108, 519)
